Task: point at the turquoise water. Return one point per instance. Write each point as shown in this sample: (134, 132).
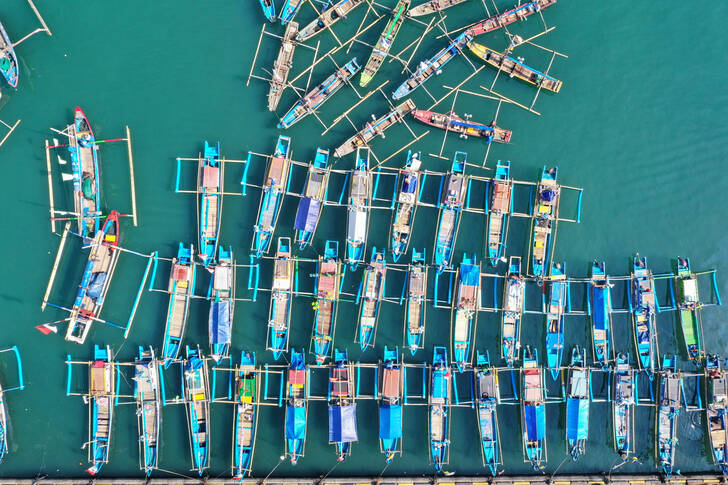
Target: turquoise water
(638, 124)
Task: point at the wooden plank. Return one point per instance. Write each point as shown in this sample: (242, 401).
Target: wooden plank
(131, 177)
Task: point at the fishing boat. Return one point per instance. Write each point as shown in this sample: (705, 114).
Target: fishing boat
(514, 295)
(372, 287)
(644, 313)
(281, 299)
(196, 386)
(8, 60)
(625, 392)
(96, 279)
(500, 205)
(3, 411)
(328, 18)
(222, 304)
(414, 317)
(275, 186)
(326, 305)
(451, 202)
(313, 200)
(391, 390)
(439, 404)
(689, 308)
(600, 309)
(282, 65)
(357, 210)
(374, 129)
(403, 217)
(487, 398)
(432, 6)
(296, 407)
(555, 318)
(577, 404)
(209, 187)
(464, 319)
(289, 10)
(465, 128)
(384, 43)
(544, 221)
(181, 288)
(715, 411)
(533, 410)
(432, 66)
(269, 9)
(342, 405)
(314, 99)
(147, 392)
(245, 415)
(86, 179)
(519, 12)
(100, 408)
(668, 408)
(515, 68)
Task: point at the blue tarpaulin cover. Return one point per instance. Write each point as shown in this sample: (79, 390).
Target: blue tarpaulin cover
(307, 214)
(409, 185)
(295, 423)
(535, 422)
(470, 274)
(439, 385)
(220, 322)
(600, 308)
(577, 418)
(96, 285)
(342, 424)
(390, 422)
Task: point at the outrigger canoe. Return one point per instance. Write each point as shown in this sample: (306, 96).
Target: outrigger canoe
(487, 397)
(465, 306)
(196, 387)
(327, 301)
(515, 68)
(600, 310)
(577, 404)
(375, 128)
(372, 293)
(269, 9)
(282, 66)
(313, 200)
(519, 12)
(514, 294)
(281, 299)
(544, 221)
(86, 178)
(403, 217)
(275, 186)
(209, 188)
(96, 279)
(432, 6)
(384, 43)
(391, 390)
(451, 204)
(245, 416)
(644, 313)
(8, 59)
(222, 304)
(533, 411)
(625, 392)
(439, 412)
(296, 407)
(689, 308)
(147, 392)
(668, 408)
(715, 411)
(465, 128)
(100, 407)
(181, 288)
(328, 18)
(414, 317)
(357, 210)
(289, 10)
(500, 206)
(558, 295)
(342, 405)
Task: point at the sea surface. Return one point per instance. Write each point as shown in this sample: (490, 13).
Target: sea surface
(639, 125)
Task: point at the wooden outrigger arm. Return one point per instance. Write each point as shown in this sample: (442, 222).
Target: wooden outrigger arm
(10, 130)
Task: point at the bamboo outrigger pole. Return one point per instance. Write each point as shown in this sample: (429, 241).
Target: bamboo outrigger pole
(131, 177)
(40, 19)
(11, 128)
(55, 265)
(50, 186)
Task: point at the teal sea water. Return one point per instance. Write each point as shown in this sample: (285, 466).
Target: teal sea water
(639, 124)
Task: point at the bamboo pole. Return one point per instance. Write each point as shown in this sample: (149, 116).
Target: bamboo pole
(55, 266)
(50, 186)
(255, 57)
(131, 177)
(456, 88)
(37, 14)
(512, 101)
(345, 113)
(403, 148)
(7, 135)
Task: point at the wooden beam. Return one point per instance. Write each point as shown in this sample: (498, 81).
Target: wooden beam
(255, 57)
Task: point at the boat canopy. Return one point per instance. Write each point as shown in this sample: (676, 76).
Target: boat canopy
(390, 422)
(577, 418)
(535, 421)
(342, 424)
(296, 423)
(220, 322)
(307, 215)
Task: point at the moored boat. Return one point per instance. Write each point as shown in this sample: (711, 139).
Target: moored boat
(519, 12)
(180, 289)
(100, 407)
(328, 18)
(623, 406)
(715, 410)
(384, 43)
(456, 124)
(289, 10)
(544, 221)
(465, 305)
(555, 318)
(313, 200)
(600, 310)
(403, 217)
(577, 404)
(8, 59)
(269, 9)
(275, 186)
(689, 308)
(439, 412)
(432, 6)
(245, 415)
(451, 204)
(96, 279)
(222, 304)
(296, 407)
(414, 317)
(391, 390)
(372, 293)
(147, 392)
(668, 408)
(85, 170)
(282, 65)
(357, 210)
(196, 387)
(514, 293)
(644, 313)
(500, 206)
(209, 202)
(281, 299)
(533, 411)
(374, 129)
(487, 397)
(342, 405)
(515, 68)
(432, 66)
(326, 305)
